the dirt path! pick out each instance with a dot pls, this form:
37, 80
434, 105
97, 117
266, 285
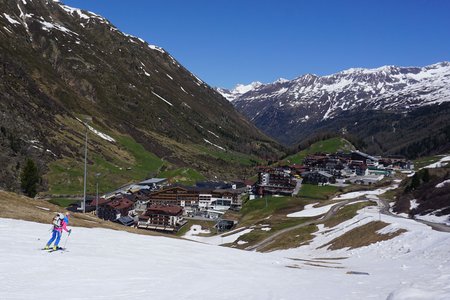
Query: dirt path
333, 210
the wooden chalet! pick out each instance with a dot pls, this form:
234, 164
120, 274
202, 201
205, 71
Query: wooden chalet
162, 217
175, 196
115, 208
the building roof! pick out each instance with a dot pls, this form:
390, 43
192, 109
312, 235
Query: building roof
326, 174
100, 201
212, 185
126, 220
172, 210
120, 203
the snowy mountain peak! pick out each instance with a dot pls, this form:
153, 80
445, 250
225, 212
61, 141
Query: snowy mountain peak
281, 80
238, 90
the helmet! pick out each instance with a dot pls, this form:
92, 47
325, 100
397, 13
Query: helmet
61, 216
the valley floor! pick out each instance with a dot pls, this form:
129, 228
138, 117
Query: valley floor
108, 264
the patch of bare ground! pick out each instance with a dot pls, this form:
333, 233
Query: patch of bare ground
294, 266
362, 236
13, 206
324, 266
315, 261
330, 258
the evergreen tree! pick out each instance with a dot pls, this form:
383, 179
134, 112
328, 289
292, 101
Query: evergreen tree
29, 178
425, 175
415, 182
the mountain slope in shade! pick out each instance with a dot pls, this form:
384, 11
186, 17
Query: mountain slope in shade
59, 64
286, 109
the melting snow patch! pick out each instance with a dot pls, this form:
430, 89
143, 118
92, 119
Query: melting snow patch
153, 47
100, 134
6, 28
445, 219
440, 185
213, 134
77, 11
184, 90
192, 234
221, 148
47, 26
162, 98
311, 211
413, 204
441, 163
10, 19
43, 208
352, 195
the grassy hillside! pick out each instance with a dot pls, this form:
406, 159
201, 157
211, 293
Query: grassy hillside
127, 160
14, 206
122, 162
328, 146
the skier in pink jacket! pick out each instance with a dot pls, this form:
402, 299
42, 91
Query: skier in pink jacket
59, 224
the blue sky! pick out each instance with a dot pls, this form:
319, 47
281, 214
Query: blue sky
225, 42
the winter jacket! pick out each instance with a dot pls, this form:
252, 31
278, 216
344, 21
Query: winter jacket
63, 226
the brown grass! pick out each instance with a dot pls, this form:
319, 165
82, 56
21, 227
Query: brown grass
14, 206
316, 261
362, 236
292, 239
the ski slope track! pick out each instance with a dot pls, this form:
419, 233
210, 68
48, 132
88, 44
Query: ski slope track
107, 264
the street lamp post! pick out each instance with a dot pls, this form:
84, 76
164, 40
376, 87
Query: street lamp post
96, 179
85, 170
87, 119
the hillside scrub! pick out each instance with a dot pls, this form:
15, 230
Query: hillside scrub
422, 188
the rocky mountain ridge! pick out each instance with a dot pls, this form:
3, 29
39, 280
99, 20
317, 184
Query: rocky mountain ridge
283, 108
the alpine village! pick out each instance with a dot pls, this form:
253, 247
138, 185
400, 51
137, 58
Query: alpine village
343, 178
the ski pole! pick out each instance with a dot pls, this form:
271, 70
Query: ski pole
65, 242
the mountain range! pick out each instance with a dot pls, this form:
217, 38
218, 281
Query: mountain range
292, 110
61, 66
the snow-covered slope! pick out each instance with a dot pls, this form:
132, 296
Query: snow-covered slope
311, 99
380, 88
107, 264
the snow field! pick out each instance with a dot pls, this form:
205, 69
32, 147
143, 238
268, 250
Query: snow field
108, 264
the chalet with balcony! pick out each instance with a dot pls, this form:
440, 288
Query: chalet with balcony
275, 182
178, 196
114, 208
162, 217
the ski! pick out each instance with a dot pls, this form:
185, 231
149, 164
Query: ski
57, 249
53, 250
